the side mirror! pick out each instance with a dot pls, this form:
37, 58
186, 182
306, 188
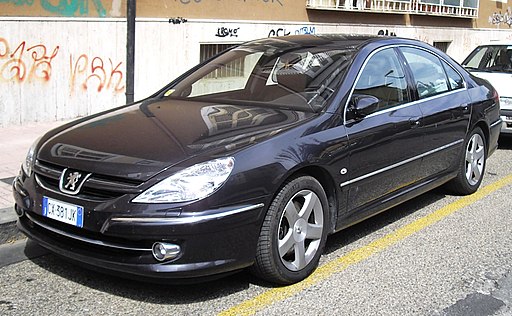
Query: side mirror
362, 105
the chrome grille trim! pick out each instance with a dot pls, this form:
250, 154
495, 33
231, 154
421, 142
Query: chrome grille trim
95, 188
44, 186
55, 172
84, 239
186, 220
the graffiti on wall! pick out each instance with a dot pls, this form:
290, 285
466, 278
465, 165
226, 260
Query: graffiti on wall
94, 72
386, 33
499, 18
24, 63
278, 2
423, 38
64, 7
305, 30
284, 32
278, 32
177, 20
227, 32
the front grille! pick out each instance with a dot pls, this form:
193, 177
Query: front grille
507, 113
95, 188
77, 233
94, 245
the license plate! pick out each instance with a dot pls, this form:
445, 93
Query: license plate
63, 212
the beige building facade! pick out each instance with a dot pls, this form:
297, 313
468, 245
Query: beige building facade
62, 59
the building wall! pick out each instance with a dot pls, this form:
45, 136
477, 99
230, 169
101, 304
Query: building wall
286, 10
495, 15
62, 59
268, 10
63, 8
172, 49
48, 74
492, 13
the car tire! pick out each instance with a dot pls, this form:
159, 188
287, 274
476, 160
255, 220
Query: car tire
471, 165
293, 234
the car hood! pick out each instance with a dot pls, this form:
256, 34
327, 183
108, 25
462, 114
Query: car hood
499, 80
144, 139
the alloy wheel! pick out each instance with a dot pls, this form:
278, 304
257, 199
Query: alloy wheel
300, 230
475, 159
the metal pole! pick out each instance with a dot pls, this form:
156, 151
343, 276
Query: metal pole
130, 49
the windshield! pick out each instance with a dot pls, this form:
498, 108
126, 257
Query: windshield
493, 58
274, 73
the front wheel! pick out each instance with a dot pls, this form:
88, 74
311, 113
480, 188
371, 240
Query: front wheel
472, 164
293, 233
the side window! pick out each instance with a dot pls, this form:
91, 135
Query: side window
429, 75
490, 58
383, 78
478, 58
454, 78
225, 78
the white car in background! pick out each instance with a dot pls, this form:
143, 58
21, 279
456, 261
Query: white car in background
493, 62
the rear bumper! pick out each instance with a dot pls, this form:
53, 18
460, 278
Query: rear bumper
494, 135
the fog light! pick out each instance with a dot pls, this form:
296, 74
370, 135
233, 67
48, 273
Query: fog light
164, 251
19, 211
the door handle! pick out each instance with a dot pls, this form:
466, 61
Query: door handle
415, 122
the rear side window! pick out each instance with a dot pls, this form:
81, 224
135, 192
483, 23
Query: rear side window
429, 74
454, 78
383, 77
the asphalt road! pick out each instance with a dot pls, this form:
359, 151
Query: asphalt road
435, 255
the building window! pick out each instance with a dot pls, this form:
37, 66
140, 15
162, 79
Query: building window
458, 8
234, 69
442, 46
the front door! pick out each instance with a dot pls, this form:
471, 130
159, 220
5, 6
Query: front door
386, 145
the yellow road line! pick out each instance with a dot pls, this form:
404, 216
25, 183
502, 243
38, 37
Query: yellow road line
325, 271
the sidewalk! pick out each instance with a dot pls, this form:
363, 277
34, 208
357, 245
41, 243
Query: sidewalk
14, 144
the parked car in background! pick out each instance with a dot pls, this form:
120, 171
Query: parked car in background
493, 62
252, 158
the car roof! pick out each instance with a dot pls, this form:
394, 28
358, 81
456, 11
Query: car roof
497, 43
336, 39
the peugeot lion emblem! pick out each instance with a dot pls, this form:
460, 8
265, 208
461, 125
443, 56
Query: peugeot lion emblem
71, 181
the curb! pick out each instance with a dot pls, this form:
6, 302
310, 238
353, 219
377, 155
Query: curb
7, 215
10, 233
8, 230
19, 251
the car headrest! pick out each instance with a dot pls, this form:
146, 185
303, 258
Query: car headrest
292, 74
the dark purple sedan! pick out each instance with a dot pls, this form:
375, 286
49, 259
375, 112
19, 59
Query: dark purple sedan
254, 157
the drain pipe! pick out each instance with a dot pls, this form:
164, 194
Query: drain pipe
130, 49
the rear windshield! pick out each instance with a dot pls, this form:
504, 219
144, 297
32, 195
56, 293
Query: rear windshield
493, 58
277, 74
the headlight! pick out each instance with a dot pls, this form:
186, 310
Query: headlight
190, 184
29, 160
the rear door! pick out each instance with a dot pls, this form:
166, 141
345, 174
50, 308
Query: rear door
445, 104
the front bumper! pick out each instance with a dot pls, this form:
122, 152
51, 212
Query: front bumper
212, 242
506, 117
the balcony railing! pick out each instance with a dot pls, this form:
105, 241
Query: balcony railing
449, 8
